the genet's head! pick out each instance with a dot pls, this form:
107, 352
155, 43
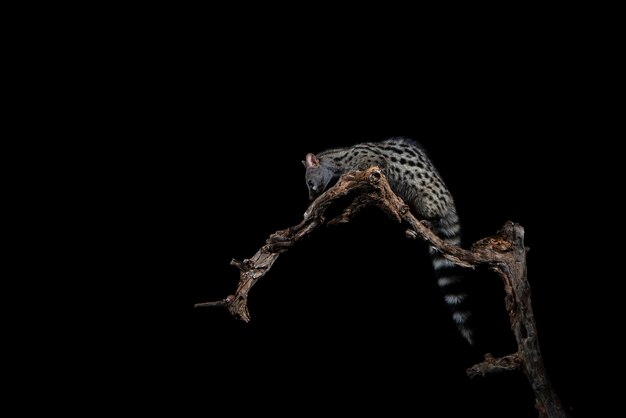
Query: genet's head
317, 176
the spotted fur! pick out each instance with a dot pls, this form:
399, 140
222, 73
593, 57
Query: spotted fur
413, 177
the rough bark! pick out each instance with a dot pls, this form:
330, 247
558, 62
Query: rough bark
503, 253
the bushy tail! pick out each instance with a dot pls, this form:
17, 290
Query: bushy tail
450, 277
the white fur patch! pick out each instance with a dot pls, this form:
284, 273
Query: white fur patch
442, 262
460, 317
454, 299
447, 281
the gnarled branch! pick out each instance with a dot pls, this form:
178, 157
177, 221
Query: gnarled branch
504, 253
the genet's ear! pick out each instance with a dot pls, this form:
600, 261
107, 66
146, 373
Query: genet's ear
311, 161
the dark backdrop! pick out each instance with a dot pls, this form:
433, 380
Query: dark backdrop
351, 318
196, 128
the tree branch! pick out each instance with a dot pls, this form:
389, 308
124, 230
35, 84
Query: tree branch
503, 253
495, 365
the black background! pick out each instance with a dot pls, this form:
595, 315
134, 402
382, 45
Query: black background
350, 319
172, 143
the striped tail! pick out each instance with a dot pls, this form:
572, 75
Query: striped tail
450, 276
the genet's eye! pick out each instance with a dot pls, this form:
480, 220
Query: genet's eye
310, 184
